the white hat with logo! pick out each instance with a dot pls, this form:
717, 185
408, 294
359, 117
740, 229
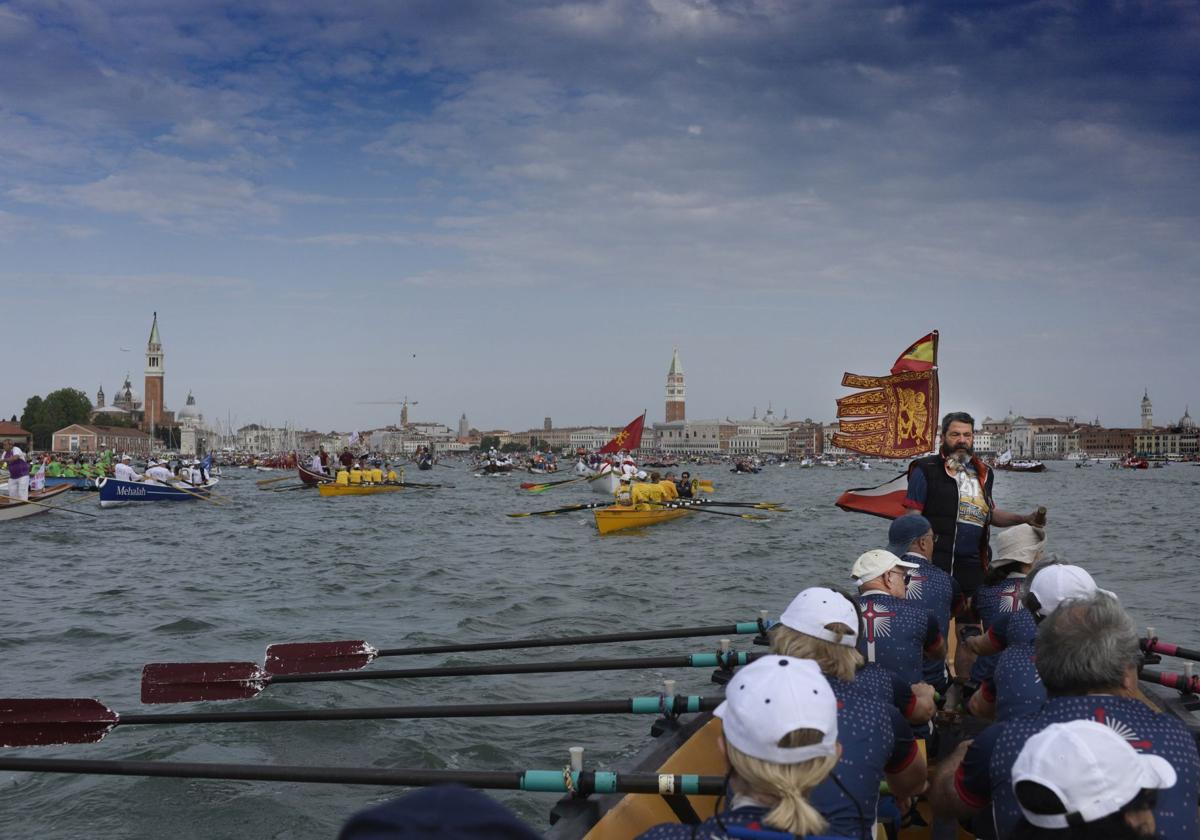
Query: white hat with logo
772, 697
876, 562
815, 608
1054, 584
1092, 770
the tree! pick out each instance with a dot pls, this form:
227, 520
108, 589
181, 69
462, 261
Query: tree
489, 442
513, 446
61, 408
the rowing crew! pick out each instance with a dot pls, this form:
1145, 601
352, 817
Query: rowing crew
159, 474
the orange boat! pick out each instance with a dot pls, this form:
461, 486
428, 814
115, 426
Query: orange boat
621, 517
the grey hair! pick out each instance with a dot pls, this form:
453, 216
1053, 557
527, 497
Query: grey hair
1086, 645
957, 417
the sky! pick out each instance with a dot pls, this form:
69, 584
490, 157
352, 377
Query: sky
517, 209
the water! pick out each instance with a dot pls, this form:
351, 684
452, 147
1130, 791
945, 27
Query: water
88, 602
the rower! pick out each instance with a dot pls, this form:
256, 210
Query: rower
124, 472
684, 485
17, 464
780, 739
157, 473
670, 489
877, 743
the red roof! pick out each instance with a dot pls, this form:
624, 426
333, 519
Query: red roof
12, 429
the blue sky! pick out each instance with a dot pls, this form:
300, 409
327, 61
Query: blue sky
516, 209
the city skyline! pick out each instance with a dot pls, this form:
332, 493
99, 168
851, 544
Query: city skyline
517, 209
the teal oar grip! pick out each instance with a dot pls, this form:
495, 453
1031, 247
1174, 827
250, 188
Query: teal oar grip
690, 784
546, 781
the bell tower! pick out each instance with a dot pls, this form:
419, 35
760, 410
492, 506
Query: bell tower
152, 401
675, 390
1147, 411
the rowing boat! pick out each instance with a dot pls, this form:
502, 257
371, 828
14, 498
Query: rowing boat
328, 489
620, 518
605, 483
114, 492
75, 482
311, 477
19, 510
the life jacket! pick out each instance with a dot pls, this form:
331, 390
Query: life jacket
941, 506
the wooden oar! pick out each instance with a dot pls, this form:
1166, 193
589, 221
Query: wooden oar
184, 682
544, 781
538, 487
429, 486
353, 655
753, 517
43, 722
775, 506
568, 509
262, 482
44, 505
194, 494
290, 489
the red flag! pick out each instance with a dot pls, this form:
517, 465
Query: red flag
629, 438
921, 355
886, 500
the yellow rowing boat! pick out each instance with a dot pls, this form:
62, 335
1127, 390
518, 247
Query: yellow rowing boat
329, 489
620, 517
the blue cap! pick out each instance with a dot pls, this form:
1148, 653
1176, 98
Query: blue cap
445, 812
905, 529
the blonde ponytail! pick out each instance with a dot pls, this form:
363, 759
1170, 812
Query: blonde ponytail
836, 660
788, 784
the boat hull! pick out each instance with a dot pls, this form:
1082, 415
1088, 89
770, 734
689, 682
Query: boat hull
328, 489
74, 482
16, 510
115, 493
311, 478
617, 518
605, 484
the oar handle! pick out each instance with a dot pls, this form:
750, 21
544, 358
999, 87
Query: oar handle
739, 629
531, 780
676, 705
1171, 679
696, 660
1153, 645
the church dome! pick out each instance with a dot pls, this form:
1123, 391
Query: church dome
189, 411
1186, 421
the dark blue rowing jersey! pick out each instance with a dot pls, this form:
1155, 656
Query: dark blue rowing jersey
994, 600
933, 589
985, 772
896, 634
740, 822
875, 739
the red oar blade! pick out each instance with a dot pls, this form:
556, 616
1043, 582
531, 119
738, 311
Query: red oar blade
182, 682
319, 657
36, 723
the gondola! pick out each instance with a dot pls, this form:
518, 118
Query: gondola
311, 477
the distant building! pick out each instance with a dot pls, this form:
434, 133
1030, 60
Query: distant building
91, 440
1178, 442
14, 432
676, 407
464, 428
1147, 410
1024, 441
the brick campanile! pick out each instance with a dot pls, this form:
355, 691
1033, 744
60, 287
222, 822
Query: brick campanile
675, 390
152, 405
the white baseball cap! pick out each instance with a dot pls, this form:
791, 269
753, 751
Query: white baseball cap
1092, 770
875, 563
772, 697
1054, 584
1018, 544
816, 607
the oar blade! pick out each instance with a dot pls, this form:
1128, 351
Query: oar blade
319, 657
184, 682
43, 722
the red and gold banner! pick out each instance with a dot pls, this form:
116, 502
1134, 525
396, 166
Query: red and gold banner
921, 354
629, 438
895, 416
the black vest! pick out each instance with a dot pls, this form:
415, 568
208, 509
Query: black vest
941, 507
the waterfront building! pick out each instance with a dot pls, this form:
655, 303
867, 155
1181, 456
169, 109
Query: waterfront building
1094, 441
194, 437
1179, 442
676, 408
14, 432
464, 428
985, 443
758, 435
1023, 443
108, 415
827, 432
81, 439
806, 438
693, 437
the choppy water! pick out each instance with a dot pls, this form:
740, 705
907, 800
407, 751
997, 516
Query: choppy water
87, 602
